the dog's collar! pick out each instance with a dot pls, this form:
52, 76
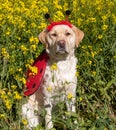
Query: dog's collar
33, 82
49, 27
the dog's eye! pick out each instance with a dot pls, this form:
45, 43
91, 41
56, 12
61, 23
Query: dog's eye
67, 34
54, 34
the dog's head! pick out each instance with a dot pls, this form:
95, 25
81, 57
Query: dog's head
61, 40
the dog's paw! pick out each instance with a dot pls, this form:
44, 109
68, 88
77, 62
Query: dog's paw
49, 126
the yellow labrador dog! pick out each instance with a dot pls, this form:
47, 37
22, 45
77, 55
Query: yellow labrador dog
59, 82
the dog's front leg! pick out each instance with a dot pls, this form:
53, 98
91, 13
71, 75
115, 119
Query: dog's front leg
48, 117
30, 111
71, 105
71, 97
72, 108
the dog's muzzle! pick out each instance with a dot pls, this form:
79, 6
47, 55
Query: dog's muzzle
61, 47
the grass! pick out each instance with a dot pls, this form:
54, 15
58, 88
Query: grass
20, 23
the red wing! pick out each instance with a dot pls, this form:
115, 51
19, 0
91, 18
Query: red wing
33, 82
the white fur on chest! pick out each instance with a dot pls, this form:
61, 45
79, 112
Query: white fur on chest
65, 72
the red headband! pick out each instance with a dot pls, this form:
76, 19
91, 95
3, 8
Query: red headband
49, 27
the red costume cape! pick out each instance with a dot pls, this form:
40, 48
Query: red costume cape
33, 82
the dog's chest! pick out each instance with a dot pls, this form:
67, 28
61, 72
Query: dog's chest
64, 73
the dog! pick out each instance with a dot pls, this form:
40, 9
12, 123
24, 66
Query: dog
59, 80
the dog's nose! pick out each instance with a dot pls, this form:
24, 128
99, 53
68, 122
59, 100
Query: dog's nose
61, 43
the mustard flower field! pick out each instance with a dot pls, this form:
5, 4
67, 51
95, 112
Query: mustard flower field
20, 23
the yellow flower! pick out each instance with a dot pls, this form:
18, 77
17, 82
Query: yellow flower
89, 62
24, 121
33, 25
36, 40
70, 96
9, 93
80, 99
77, 73
104, 18
19, 70
100, 49
58, 15
33, 39
33, 69
13, 87
92, 20
31, 61
33, 47
90, 47
114, 18
93, 54
114, 56
17, 77
8, 32
13, 46
4, 53
23, 48
2, 115
17, 96
49, 88
94, 73
42, 25
84, 47
77, 66
105, 27
54, 67
19, 38
23, 80
79, 21
100, 36
3, 94
8, 104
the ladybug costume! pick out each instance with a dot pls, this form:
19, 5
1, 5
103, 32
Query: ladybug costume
33, 82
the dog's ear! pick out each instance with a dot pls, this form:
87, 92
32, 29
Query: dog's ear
79, 35
42, 37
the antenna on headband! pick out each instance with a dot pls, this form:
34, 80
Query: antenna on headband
68, 12
47, 16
